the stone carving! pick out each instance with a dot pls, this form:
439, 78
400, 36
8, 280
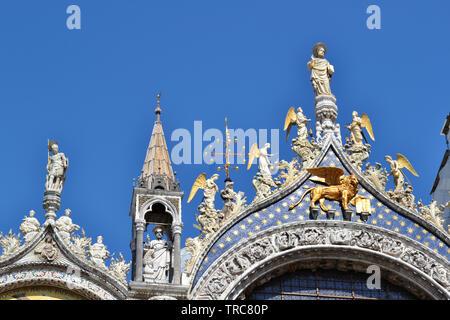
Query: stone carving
30, 227
358, 151
433, 212
98, 253
396, 171
233, 266
65, 226
119, 269
404, 197
233, 202
10, 244
80, 245
56, 168
263, 185
47, 249
306, 150
209, 221
321, 70
193, 246
377, 175
289, 172
156, 258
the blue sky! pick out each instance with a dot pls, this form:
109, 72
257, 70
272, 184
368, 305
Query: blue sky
94, 89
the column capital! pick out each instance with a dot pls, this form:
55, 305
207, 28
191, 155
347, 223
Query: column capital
139, 224
177, 228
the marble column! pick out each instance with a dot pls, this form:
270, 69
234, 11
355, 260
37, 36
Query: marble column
176, 231
140, 227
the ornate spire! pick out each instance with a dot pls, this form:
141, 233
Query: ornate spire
157, 171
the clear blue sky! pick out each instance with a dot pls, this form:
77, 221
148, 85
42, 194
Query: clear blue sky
93, 90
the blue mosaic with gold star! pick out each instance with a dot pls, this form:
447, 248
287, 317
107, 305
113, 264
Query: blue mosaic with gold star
279, 214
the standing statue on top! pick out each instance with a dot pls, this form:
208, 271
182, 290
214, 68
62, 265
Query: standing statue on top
321, 70
156, 257
56, 168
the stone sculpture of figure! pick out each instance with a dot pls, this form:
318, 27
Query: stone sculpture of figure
321, 71
396, 172
156, 258
30, 227
65, 225
356, 134
264, 162
56, 168
209, 192
98, 253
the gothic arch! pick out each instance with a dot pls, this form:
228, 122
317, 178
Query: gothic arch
168, 206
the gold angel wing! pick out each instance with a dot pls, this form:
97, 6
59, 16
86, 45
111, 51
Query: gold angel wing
254, 153
291, 118
330, 175
199, 183
365, 123
404, 163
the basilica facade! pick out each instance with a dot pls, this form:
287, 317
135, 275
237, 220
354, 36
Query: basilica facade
324, 227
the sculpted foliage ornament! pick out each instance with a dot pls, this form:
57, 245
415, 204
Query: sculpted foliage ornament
377, 175
119, 268
10, 244
289, 172
80, 244
433, 212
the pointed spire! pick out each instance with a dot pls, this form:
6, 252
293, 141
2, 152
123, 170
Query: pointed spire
157, 172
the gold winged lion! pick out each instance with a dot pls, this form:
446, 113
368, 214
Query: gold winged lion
340, 187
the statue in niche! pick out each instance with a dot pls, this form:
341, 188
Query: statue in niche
56, 168
156, 257
321, 70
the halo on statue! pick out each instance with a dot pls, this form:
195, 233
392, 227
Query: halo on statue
317, 46
158, 227
50, 144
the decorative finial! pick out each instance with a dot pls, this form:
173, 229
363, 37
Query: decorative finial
158, 109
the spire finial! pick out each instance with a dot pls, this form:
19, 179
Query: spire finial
158, 109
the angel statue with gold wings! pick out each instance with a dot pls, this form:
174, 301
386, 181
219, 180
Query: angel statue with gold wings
356, 133
297, 119
396, 170
264, 166
209, 190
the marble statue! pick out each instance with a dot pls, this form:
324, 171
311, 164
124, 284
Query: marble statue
65, 225
98, 253
56, 168
156, 258
321, 71
30, 227
47, 249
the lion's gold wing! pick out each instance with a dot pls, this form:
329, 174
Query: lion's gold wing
330, 175
291, 118
254, 153
365, 123
199, 183
404, 163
